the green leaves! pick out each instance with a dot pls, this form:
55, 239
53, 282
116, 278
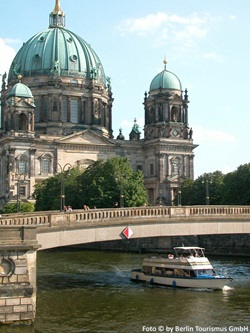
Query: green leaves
102, 184
230, 189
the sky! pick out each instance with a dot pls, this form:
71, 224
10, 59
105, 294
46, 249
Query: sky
205, 42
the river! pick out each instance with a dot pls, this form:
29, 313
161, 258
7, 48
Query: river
87, 291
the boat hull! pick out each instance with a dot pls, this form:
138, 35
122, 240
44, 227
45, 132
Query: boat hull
217, 282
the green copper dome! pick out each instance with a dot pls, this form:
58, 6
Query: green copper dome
165, 80
57, 51
20, 90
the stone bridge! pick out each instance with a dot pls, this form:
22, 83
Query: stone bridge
21, 235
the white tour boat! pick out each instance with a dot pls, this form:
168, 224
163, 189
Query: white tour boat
187, 267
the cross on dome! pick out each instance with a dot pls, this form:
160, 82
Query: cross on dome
165, 63
57, 8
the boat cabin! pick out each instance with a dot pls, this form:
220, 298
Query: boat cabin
189, 262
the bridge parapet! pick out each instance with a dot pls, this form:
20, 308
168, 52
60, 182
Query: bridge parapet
55, 218
219, 210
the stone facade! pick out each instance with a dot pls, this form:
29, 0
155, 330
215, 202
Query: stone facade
17, 285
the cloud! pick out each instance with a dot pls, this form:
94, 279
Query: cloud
206, 135
213, 56
143, 25
182, 32
7, 55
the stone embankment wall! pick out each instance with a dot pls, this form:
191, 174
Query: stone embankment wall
214, 244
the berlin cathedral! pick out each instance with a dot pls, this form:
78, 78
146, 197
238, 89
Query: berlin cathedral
56, 111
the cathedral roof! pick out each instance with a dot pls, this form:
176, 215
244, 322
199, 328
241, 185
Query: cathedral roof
57, 51
165, 80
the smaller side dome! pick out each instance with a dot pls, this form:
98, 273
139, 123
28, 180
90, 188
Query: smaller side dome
20, 90
165, 80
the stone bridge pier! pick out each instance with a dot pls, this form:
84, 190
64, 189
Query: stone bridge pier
18, 274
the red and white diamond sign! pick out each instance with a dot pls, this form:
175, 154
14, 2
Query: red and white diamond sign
127, 232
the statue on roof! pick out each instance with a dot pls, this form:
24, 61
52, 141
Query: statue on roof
135, 133
3, 81
120, 136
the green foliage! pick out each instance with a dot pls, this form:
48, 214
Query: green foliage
208, 186
11, 208
104, 181
237, 186
47, 194
230, 189
100, 185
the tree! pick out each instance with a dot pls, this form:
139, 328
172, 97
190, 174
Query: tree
207, 187
237, 186
100, 185
11, 208
48, 192
106, 182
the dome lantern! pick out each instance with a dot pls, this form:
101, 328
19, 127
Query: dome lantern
57, 17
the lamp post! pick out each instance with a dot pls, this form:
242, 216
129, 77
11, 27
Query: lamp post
63, 169
179, 166
207, 181
179, 188
20, 179
120, 179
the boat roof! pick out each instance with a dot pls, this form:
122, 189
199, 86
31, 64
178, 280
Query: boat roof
188, 248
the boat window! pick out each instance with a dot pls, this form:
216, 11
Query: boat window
169, 271
147, 269
189, 252
192, 274
205, 272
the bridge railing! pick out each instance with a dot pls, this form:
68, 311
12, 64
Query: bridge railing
219, 210
54, 218
121, 213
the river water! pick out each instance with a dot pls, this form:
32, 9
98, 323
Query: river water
85, 291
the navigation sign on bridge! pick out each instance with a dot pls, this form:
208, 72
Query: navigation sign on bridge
127, 232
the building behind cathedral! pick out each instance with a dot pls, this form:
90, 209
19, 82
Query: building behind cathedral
57, 112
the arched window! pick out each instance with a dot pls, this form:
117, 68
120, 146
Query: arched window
46, 164
175, 166
23, 122
174, 114
22, 165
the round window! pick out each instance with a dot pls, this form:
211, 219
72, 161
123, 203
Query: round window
6, 267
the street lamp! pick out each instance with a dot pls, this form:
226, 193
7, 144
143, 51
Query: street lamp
120, 179
63, 169
179, 166
207, 189
20, 179
179, 188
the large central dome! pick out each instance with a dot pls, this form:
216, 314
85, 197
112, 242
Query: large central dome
57, 51
67, 80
